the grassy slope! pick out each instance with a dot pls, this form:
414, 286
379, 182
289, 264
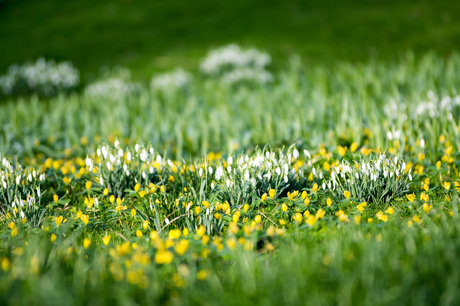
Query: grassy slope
151, 35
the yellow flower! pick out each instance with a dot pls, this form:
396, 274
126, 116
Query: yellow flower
139, 233
293, 194
106, 240
447, 185
164, 257
311, 220
353, 147
357, 219
105, 192
181, 247
315, 188
343, 217
53, 238
142, 193
84, 218
174, 234
361, 206
421, 156
306, 201
86, 243
342, 150
205, 204
381, 216
233, 228
124, 249
217, 216
457, 186
137, 187
84, 140
269, 247
427, 207
58, 220
297, 217
284, 207
197, 210
416, 218
55, 198
153, 235
390, 210
88, 185
272, 193
6, 264
145, 224
205, 239
438, 164
264, 196
246, 207
347, 194
258, 219
271, 230
304, 195
425, 197
320, 214
202, 275
236, 216
201, 230
411, 197
328, 202
112, 199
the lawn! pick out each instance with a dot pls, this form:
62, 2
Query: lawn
245, 176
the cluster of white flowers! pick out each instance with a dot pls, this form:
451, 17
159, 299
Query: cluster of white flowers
15, 176
233, 65
43, 77
113, 88
143, 161
111, 157
378, 174
19, 187
252, 169
434, 106
173, 80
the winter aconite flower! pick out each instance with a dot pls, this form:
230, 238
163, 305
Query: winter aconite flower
411, 197
106, 239
164, 257
86, 243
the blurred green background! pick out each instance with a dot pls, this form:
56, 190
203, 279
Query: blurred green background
148, 36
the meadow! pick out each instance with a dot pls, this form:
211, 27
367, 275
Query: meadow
243, 182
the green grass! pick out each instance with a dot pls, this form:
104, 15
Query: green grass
149, 36
182, 236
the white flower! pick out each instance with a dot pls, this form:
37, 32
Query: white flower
246, 175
